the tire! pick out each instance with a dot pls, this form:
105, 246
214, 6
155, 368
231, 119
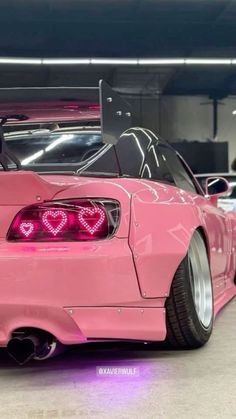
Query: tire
189, 307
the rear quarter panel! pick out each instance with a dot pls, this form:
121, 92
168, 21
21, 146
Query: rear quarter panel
163, 219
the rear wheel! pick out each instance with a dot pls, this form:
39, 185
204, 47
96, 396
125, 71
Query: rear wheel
189, 308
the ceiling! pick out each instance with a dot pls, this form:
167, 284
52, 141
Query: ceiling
121, 28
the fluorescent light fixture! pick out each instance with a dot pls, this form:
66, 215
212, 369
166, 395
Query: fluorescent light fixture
118, 61
208, 61
114, 61
160, 61
65, 61
234, 112
12, 60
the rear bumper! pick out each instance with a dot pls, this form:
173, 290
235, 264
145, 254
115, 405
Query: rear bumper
99, 273
76, 292
79, 324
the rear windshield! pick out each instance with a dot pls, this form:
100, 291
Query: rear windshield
54, 147
64, 152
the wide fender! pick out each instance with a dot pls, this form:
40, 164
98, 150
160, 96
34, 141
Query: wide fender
162, 223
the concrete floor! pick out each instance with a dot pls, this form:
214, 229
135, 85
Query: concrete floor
167, 384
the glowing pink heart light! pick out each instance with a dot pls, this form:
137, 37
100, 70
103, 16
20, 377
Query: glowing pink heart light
54, 221
26, 228
91, 219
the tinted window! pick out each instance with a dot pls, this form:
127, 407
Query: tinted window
55, 147
63, 151
202, 182
155, 167
179, 173
104, 162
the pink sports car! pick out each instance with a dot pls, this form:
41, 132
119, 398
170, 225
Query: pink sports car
105, 232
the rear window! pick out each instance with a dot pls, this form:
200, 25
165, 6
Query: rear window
54, 147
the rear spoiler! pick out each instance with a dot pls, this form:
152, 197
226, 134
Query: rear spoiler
115, 112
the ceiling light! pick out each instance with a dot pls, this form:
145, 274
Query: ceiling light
118, 61
65, 61
114, 61
12, 60
206, 61
161, 61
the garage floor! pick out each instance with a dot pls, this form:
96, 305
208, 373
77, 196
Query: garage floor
165, 384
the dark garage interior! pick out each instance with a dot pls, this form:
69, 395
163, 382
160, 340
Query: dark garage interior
188, 95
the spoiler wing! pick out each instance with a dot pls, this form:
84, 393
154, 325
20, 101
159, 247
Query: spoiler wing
57, 104
23, 106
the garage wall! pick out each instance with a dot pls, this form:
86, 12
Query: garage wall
227, 125
147, 111
184, 117
189, 117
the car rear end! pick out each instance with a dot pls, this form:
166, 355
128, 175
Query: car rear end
67, 270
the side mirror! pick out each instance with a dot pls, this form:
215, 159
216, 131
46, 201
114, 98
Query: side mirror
216, 187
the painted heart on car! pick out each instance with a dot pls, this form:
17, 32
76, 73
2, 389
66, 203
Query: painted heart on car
91, 219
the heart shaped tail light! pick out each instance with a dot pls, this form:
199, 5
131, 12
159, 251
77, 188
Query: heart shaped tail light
74, 220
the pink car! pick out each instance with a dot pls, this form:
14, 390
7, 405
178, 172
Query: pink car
105, 238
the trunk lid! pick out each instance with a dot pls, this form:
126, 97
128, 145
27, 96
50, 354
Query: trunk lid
19, 189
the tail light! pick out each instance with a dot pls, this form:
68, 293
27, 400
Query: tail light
73, 220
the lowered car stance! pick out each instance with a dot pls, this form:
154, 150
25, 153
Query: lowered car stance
104, 240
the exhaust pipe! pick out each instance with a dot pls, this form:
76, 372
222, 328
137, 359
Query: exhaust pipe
23, 348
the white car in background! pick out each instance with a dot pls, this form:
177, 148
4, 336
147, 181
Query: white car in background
227, 202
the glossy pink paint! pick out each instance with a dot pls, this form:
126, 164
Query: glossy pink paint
114, 288
53, 111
